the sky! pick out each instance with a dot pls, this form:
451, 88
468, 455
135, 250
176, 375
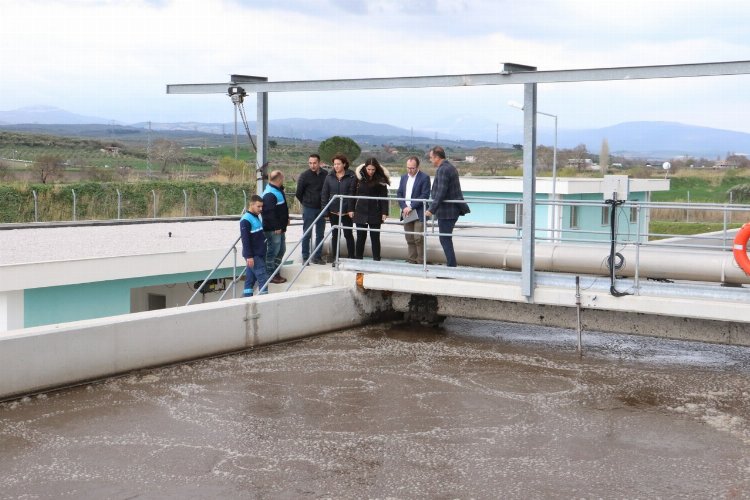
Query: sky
113, 59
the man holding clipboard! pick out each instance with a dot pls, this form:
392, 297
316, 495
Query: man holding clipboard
414, 185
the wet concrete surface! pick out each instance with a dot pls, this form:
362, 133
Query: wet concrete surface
473, 410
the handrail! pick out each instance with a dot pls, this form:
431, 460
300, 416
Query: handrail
581, 234
287, 254
213, 271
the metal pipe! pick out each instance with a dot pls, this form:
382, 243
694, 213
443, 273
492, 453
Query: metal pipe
216, 203
36, 206
74, 203
119, 203
654, 262
184, 196
637, 247
234, 273
578, 314
153, 194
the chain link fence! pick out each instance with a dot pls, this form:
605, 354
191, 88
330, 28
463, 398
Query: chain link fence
108, 201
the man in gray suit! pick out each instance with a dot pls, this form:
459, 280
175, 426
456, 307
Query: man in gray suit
446, 187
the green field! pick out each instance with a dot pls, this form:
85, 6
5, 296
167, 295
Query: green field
129, 156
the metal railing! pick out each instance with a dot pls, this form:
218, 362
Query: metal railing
633, 212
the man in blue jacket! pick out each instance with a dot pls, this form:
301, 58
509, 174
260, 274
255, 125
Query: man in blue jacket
414, 185
447, 187
275, 222
254, 247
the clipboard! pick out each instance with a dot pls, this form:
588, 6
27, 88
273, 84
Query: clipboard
412, 217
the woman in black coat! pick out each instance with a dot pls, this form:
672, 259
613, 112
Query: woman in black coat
373, 181
340, 181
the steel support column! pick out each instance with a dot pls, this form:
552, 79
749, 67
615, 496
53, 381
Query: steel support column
262, 138
528, 225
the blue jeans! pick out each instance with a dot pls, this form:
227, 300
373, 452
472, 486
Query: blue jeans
275, 249
256, 274
308, 216
446, 226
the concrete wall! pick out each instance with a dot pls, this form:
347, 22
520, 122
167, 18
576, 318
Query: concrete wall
40, 358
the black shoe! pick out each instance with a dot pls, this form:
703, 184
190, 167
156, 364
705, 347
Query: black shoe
317, 261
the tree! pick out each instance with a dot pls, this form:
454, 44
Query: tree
580, 153
544, 157
604, 156
165, 151
493, 160
337, 144
739, 161
47, 167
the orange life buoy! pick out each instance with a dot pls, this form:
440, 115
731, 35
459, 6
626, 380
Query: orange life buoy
740, 248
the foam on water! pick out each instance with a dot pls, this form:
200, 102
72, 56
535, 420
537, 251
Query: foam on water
465, 411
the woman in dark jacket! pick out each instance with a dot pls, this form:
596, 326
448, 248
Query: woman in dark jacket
373, 181
341, 180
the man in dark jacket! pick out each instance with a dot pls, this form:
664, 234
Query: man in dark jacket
447, 186
414, 185
275, 222
309, 189
254, 247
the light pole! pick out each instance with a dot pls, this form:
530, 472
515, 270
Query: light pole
514, 104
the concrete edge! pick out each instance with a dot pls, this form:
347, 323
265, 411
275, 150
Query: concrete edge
47, 357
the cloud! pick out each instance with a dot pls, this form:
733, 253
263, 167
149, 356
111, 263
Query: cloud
114, 59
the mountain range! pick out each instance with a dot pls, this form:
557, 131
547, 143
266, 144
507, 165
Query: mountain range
651, 139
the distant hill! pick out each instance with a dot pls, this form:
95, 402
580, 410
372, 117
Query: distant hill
301, 128
654, 140
658, 140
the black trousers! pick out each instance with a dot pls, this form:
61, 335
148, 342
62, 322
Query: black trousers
362, 239
345, 221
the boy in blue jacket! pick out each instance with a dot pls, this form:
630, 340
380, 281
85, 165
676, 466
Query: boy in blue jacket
254, 247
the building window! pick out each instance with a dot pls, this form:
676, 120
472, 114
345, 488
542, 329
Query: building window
605, 215
156, 301
513, 214
574, 217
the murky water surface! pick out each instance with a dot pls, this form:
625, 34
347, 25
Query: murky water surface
475, 410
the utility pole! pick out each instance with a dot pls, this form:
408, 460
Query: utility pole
148, 150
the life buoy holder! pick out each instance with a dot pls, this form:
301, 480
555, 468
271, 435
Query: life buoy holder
740, 248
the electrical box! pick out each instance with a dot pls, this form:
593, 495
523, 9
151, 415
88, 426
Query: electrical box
619, 184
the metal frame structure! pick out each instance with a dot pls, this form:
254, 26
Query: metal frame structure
510, 74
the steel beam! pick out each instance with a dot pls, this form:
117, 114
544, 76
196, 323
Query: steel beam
470, 80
